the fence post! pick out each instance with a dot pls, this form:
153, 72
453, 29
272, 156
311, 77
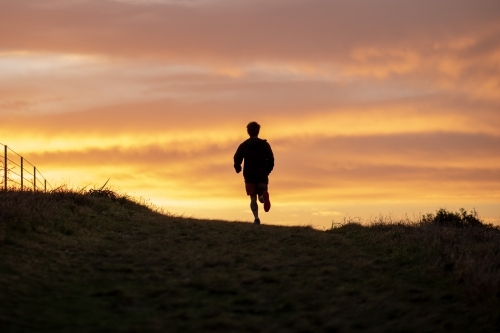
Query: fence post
45, 185
5, 168
22, 177
34, 179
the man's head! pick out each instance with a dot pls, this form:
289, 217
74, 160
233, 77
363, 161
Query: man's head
253, 129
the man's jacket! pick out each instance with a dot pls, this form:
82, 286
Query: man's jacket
259, 160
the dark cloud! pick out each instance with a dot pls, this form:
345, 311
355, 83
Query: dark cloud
315, 30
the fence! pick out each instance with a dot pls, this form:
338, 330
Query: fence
17, 176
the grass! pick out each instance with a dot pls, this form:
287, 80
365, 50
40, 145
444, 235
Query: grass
97, 261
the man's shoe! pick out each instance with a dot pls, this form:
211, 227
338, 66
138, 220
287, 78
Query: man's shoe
261, 198
257, 221
267, 203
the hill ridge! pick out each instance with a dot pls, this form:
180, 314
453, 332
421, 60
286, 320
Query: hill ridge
97, 260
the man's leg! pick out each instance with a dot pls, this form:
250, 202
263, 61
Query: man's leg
254, 207
267, 202
264, 196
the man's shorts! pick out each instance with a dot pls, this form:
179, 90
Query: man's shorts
255, 188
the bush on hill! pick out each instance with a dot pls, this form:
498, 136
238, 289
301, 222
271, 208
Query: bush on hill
460, 219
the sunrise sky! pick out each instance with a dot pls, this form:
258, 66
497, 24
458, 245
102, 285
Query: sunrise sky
385, 107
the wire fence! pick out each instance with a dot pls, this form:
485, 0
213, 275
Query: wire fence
19, 173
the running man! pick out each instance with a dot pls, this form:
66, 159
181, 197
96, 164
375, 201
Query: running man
259, 162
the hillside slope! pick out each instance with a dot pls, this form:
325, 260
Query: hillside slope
103, 263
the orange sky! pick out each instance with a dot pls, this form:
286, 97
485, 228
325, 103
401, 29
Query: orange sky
372, 107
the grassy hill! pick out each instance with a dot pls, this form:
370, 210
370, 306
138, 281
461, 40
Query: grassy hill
100, 262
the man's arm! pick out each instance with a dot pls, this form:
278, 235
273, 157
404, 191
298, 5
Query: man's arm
238, 159
270, 159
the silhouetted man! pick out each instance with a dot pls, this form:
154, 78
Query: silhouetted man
259, 162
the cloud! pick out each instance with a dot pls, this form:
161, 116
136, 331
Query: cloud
411, 166
327, 213
236, 30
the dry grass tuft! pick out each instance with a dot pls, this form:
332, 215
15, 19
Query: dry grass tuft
64, 210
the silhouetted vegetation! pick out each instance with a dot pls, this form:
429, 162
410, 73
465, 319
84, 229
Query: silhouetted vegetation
460, 219
99, 261
457, 246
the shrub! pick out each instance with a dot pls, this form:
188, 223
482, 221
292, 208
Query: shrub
460, 219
